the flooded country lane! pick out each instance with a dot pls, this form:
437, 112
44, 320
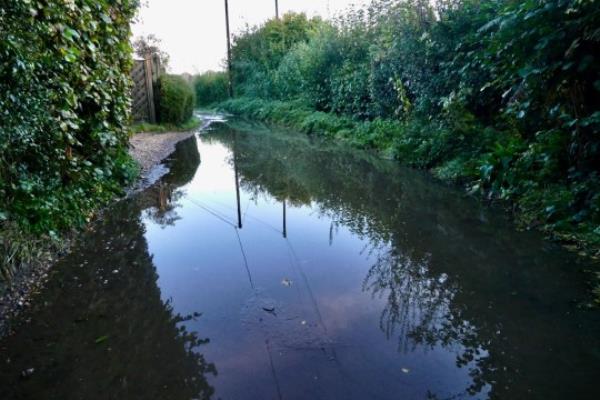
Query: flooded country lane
272, 265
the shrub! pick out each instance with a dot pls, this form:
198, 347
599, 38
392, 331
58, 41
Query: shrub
64, 101
176, 100
211, 87
258, 51
501, 95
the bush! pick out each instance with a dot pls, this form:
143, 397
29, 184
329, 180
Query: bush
257, 52
176, 100
64, 101
211, 87
500, 95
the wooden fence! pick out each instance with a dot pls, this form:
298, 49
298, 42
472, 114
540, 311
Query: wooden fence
144, 74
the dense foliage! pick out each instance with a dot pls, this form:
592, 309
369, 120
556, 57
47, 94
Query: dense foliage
499, 95
64, 111
211, 87
176, 100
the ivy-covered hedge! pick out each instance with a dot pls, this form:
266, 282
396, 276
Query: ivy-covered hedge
64, 109
176, 100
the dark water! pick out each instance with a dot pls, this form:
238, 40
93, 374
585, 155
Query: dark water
350, 278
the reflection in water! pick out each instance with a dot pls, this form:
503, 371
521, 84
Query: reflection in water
320, 272
102, 330
441, 265
415, 302
160, 201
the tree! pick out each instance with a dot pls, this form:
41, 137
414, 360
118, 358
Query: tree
150, 44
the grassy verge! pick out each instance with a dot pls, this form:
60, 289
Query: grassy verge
190, 125
457, 152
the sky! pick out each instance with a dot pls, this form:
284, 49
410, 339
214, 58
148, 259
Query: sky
193, 31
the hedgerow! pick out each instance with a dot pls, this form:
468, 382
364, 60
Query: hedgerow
176, 100
64, 110
211, 87
501, 96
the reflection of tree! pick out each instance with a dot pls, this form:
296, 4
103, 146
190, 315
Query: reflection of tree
440, 264
160, 201
112, 337
266, 171
416, 302
418, 310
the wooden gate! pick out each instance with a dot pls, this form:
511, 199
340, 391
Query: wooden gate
144, 74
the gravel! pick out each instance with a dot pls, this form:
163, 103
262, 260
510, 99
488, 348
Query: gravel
149, 149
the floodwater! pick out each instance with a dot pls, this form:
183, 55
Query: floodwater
270, 265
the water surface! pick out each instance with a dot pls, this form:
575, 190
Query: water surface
271, 265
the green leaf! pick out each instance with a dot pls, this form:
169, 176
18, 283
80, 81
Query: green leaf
70, 34
101, 339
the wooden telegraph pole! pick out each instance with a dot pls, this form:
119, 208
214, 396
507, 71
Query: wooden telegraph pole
276, 9
228, 48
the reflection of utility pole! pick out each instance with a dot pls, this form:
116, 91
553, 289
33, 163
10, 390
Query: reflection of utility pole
237, 182
284, 220
276, 9
228, 48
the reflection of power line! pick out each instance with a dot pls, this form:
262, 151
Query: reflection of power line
237, 232
268, 346
306, 284
222, 218
246, 211
333, 353
296, 266
211, 211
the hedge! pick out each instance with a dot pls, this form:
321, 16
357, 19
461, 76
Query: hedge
211, 87
176, 100
64, 109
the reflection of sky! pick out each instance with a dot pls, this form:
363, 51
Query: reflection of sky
325, 340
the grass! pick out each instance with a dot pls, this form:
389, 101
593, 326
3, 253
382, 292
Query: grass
192, 124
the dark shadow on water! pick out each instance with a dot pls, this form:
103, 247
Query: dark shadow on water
100, 329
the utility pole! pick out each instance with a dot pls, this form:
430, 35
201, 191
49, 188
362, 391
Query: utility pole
276, 9
228, 48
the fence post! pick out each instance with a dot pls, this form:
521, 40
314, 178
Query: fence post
149, 88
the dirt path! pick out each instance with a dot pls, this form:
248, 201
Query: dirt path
149, 149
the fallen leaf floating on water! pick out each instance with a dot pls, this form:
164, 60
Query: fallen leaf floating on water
405, 370
286, 282
269, 309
